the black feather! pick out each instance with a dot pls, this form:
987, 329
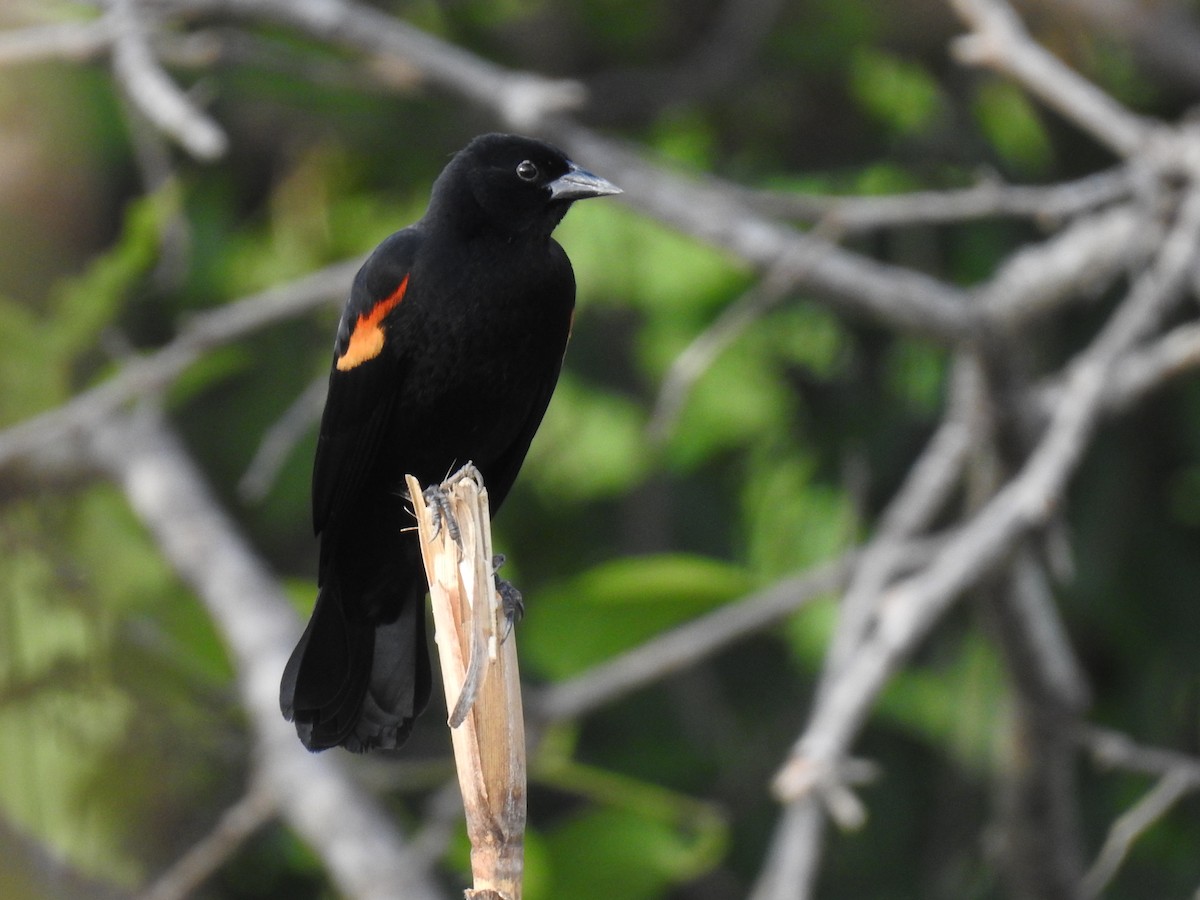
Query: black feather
447, 352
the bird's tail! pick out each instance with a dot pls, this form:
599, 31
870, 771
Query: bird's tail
353, 682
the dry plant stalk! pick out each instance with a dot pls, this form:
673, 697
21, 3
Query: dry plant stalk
481, 680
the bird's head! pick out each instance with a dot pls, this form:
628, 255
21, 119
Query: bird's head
518, 184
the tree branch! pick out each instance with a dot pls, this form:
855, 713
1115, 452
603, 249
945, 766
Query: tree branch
148, 375
356, 840
913, 606
70, 41
1135, 822
204, 858
999, 41
153, 92
837, 216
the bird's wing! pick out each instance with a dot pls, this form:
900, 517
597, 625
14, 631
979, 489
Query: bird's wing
364, 380
502, 472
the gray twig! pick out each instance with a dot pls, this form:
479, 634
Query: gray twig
152, 91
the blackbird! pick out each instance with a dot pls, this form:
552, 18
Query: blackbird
448, 350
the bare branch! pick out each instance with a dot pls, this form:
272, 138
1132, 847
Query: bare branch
989, 199
912, 607
148, 375
253, 810
356, 839
700, 638
1151, 367
709, 210
1114, 750
153, 92
70, 41
928, 484
697, 357
793, 860
714, 212
281, 439
1073, 265
685, 645
1134, 823
520, 99
999, 41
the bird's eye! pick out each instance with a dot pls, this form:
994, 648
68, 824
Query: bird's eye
527, 171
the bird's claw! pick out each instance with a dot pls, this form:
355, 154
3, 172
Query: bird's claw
440, 512
512, 604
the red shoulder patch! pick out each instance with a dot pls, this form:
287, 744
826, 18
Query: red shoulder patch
366, 340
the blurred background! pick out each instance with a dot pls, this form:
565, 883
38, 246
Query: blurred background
122, 735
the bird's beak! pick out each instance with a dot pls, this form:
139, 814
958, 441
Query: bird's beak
579, 184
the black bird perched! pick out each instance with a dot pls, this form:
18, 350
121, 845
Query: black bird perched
447, 352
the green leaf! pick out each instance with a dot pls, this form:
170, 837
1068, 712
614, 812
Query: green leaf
607, 853
33, 380
793, 519
86, 304
686, 137
738, 399
916, 373
37, 353
590, 444
809, 631
1013, 126
620, 604
60, 713
663, 274
955, 706
899, 93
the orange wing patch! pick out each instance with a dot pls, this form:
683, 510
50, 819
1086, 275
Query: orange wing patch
366, 340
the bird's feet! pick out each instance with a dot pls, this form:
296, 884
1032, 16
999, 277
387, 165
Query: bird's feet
512, 604
440, 512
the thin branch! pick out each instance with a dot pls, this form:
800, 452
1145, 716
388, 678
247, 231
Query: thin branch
1138, 373
1043, 662
988, 199
700, 638
281, 439
710, 210
70, 41
791, 867
356, 839
1115, 750
794, 858
912, 607
1151, 367
687, 644
1132, 824
999, 41
1073, 265
928, 484
153, 92
150, 374
698, 356
1038, 833
521, 99
204, 858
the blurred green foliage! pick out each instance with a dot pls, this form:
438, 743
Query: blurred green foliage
120, 741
